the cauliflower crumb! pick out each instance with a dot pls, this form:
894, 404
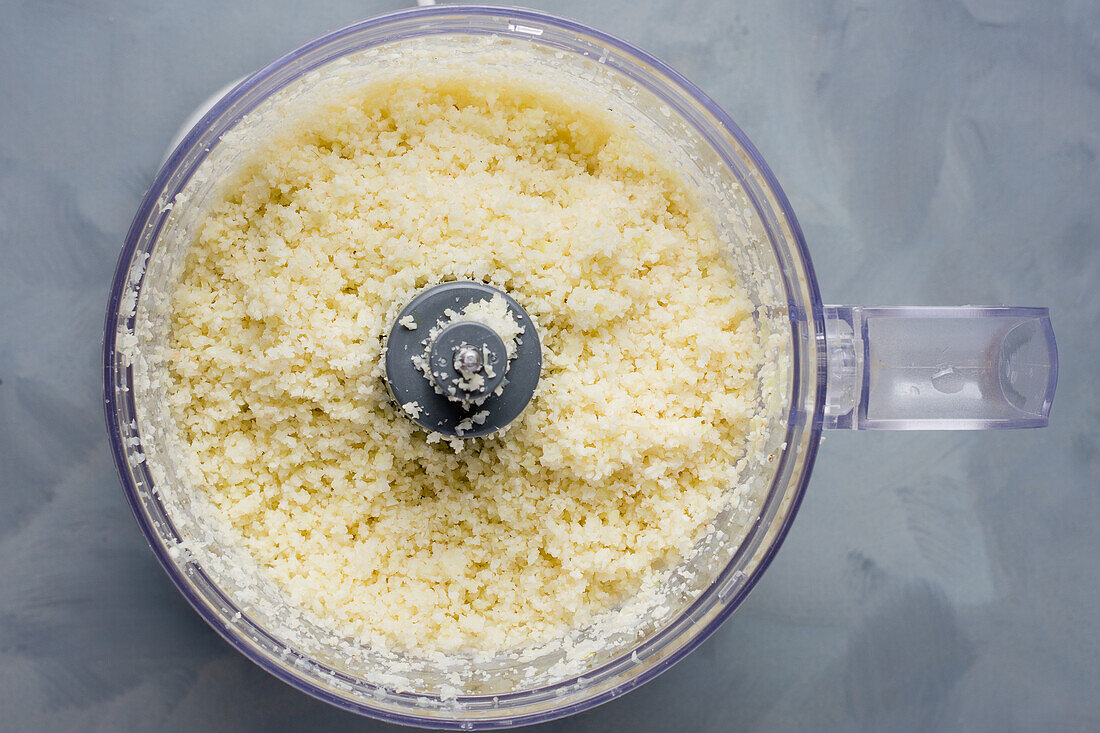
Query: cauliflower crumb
384, 532
493, 313
409, 323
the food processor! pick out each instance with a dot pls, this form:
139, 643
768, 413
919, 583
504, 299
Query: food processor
828, 367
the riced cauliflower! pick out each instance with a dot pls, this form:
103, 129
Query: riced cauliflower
628, 448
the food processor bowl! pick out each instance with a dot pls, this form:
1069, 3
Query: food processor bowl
837, 367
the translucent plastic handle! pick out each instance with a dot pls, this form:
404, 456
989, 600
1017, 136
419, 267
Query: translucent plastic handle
917, 368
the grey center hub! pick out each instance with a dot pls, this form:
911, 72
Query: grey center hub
468, 361
454, 376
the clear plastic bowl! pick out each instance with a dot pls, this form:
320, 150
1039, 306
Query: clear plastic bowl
813, 349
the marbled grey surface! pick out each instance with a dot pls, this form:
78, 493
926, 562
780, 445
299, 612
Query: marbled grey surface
936, 152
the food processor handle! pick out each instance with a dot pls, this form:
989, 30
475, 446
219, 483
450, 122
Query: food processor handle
928, 368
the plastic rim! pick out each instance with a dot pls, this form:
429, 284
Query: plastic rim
796, 410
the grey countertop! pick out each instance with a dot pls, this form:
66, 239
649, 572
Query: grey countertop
935, 153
